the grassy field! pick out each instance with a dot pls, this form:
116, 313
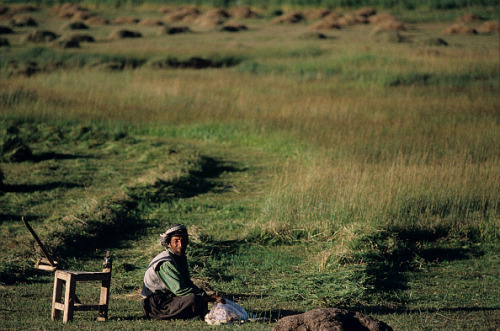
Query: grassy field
354, 167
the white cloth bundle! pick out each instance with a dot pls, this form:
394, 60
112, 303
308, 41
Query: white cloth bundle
226, 313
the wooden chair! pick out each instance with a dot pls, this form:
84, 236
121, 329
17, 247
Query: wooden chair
71, 302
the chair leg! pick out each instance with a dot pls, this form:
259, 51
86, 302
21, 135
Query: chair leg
56, 298
69, 299
104, 300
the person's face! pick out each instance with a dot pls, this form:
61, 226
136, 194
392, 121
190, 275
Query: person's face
178, 245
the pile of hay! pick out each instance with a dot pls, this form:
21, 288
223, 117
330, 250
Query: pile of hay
150, 22
290, 18
314, 14
126, 20
393, 25
122, 33
78, 38
468, 18
68, 10
76, 25
233, 27
460, 29
212, 18
489, 27
40, 36
23, 20
22, 8
96, 20
172, 30
242, 12
326, 24
183, 14
365, 12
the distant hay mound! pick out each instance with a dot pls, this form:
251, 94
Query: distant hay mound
333, 15
290, 18
315, 14
240, 12
460, 29
326, 24
365, 12
172, 30
68, 10
183, 14
96, 20
233, 27
5, 30
489, 27
468, 18
389, 25
379, 18
23, 20
3, 10
212, 18
150, 22
76, 25
40, 36
126, 20
22, 8
68, 44
82, 15
122, 34
79, 38
167, 9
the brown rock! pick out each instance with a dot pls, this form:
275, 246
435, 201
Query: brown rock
323, 319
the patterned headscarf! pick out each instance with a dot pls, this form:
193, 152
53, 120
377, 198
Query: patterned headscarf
174, 230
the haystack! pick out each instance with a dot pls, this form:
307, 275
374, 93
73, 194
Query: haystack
39, 36
468, 18
379, 18
489, 27
150, 22
122, 33
233, 27
96, 20
365, 12
315, 14
67, 10
167, 9
22, 8
172, 30
460, 29
326, 24
212, 18
289, 18
23, 20
185, 14
79, 38
394, 25
76, 25
242, 12
126, 20
82, 15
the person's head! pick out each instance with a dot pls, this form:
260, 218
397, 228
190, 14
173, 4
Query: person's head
176, 239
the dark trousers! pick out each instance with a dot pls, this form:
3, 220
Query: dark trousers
162, 306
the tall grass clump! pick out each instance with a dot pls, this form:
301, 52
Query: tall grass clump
451, 199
